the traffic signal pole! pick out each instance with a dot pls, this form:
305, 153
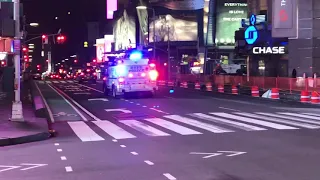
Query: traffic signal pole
17, 110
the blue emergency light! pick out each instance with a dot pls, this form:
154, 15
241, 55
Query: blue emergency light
136, 55
171, 91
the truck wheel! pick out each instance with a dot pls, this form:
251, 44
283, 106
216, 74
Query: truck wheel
114, 92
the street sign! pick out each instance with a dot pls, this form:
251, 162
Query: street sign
23, 166
218, 153
121, 110
16, 45
98, 99
251, 34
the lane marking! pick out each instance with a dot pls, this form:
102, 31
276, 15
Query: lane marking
68, 169
113, 130
48, 82
59, 150
55, 82
63, 82
149, 162
131, 102
91, 88
82, 108
229, 109
144, 106
72, 106
114, 140
84, 132
41, 82
253, 121
312, 114
239, 125
144, 128
138, 104
134, 153
70, 82
301, 116
289, 118
56, 144
126, 100
158, 110
46, 104
198, 124
123, 146
294, 123
172, 126
63, 158
169, 176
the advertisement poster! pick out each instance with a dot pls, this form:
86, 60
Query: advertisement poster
177, 28
143, 21
180, 4
124, 32
229, 16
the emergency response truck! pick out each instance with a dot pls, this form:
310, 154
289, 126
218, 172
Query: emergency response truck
131, 72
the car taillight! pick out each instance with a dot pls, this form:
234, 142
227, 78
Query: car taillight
121, 80
152, 65
130, 75
143, 74
94, 74
153, 74
82, 74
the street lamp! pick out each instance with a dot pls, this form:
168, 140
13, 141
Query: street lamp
34, 24
154, 28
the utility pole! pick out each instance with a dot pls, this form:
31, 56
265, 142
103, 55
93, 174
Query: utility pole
154, 33
17, 111
169, 63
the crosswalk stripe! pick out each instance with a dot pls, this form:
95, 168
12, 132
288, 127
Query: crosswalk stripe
198, 124
144, 128
300, 115
294, 123
41, 82
63, 82
49, 82
84, 132
55, 82
312, 114
239, 125
172, 126
113, 130
70, 81
290, 118
254, 121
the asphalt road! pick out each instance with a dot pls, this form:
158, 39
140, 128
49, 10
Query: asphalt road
185, 135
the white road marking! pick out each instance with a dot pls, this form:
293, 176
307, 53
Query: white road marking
144, 106
7, 168
121, 110
59, 150
312, 114
113, 130
301, 115
172, 126
239, 125
63, 158
138, 104
55, 82
254, 121
134, 153
149, 162
56, 144
144, 128
70, 81
289, 118
68, 169
84, 132
48, 82
229, 109
294, 123
63, 82
123, 146
126, 100
198, 124
131, 102
114, 140
82, 108
32, 166
74, 108
159, 110
169, 176
91, 88
41, 82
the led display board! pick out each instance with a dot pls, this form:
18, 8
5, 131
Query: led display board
124, 31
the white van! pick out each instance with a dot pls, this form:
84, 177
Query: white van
130, 73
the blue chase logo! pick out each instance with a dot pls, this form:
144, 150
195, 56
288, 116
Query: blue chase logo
251, 33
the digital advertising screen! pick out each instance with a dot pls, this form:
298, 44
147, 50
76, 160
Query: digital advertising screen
176, 27
124, 32
229, 16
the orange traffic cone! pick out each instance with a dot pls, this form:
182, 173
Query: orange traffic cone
221, 89
255, 91
234, 90
304, 98
315, 97
208, 86
197, 86
275, 93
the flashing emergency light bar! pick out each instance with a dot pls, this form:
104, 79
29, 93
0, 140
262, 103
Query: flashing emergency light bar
136, 55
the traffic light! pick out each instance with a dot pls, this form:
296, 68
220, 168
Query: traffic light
85, 44
61, 39
24, 49
44, 39
38, 66
94, 60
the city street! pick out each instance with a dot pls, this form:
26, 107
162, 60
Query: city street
185, 135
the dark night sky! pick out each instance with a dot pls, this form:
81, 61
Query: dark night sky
73, 26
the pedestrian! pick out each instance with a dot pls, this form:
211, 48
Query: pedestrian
294, 73
26, 85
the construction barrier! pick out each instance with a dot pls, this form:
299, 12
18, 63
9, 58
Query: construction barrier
220, 88
197, 86
255, 91
171, 83
275, 93
208, 86
315, 97
234, 90
161, 83
304, 98
185, 85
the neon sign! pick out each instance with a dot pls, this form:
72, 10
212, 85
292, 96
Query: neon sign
251, 34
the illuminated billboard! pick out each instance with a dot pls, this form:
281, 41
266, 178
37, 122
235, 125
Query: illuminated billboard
179, 5
112, 5
229, 16
178, 28
124, 32
100, 50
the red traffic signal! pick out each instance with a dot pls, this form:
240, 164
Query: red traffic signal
24, 49
61, 39
38, 66
94, 60
75, 61
44, 36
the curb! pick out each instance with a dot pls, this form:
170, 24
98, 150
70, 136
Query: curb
25, 139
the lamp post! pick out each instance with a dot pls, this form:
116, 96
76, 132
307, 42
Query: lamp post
154, 28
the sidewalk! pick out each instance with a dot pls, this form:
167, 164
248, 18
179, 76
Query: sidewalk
11, 133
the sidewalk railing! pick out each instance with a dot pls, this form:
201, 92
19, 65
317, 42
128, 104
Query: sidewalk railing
283, 83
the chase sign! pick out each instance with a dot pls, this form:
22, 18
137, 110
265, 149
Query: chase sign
251, 34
